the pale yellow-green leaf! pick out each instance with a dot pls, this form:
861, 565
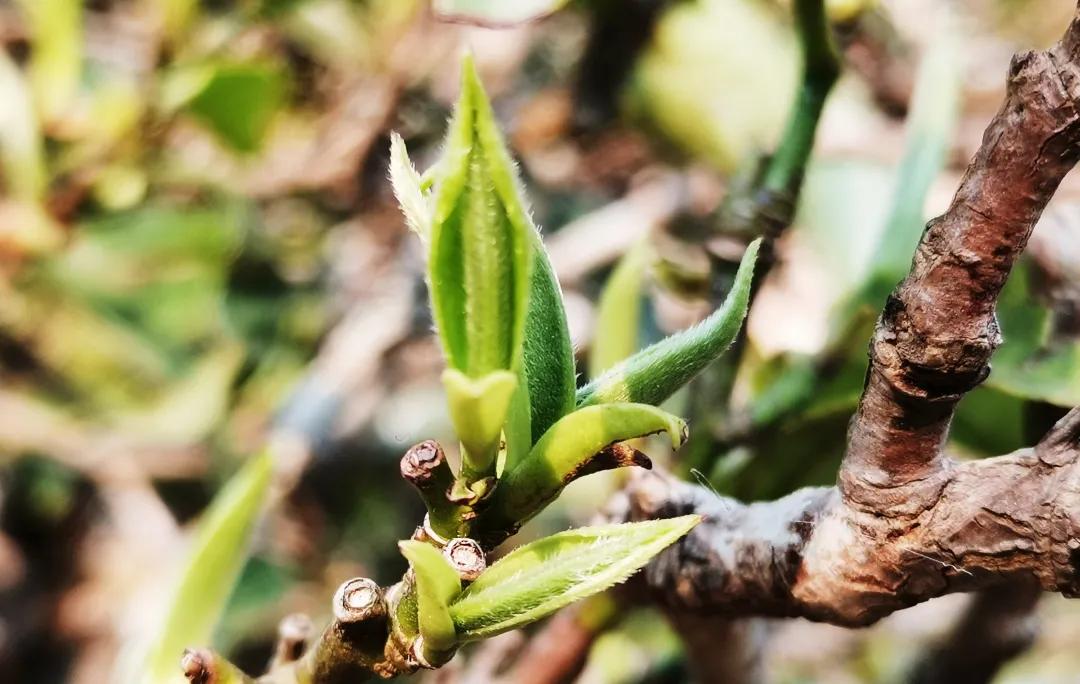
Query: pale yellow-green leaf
538, 579
478, 409
747, 56
437, 584
218, 553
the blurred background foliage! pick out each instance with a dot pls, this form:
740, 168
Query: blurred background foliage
200, 254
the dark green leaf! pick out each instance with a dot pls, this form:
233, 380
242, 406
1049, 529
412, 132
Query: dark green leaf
548, 352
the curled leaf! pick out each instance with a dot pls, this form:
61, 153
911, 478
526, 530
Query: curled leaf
437, 584
655, 373
568, 449
480, 242
537, 579
478, 409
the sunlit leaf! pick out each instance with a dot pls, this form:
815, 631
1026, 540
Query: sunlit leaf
618, 315
495, 12
566, 449
437, 584
218, 553
538, 579
480, 242
655, 373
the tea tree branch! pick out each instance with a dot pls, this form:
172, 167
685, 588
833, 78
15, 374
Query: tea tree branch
906, 523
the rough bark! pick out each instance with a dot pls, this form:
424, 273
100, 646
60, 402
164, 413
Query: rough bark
906, 523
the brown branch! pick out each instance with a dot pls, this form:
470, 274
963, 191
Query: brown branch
906, 523
1011, 518
934, 339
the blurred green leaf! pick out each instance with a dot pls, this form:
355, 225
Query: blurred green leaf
747, 57
1031, 362
535, 580
218, 553
618, 315
989, 421
655, 373
496, 12
188, 409
437, 584
480, 241
567, 448
236, 100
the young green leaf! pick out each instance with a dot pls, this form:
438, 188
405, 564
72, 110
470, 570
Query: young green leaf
655, 373
218, 554
618, 315
537, 579
548, 352
478, 409
480, 241
409, 189
567, 449
437, 584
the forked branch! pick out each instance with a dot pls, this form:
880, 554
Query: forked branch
906, 523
